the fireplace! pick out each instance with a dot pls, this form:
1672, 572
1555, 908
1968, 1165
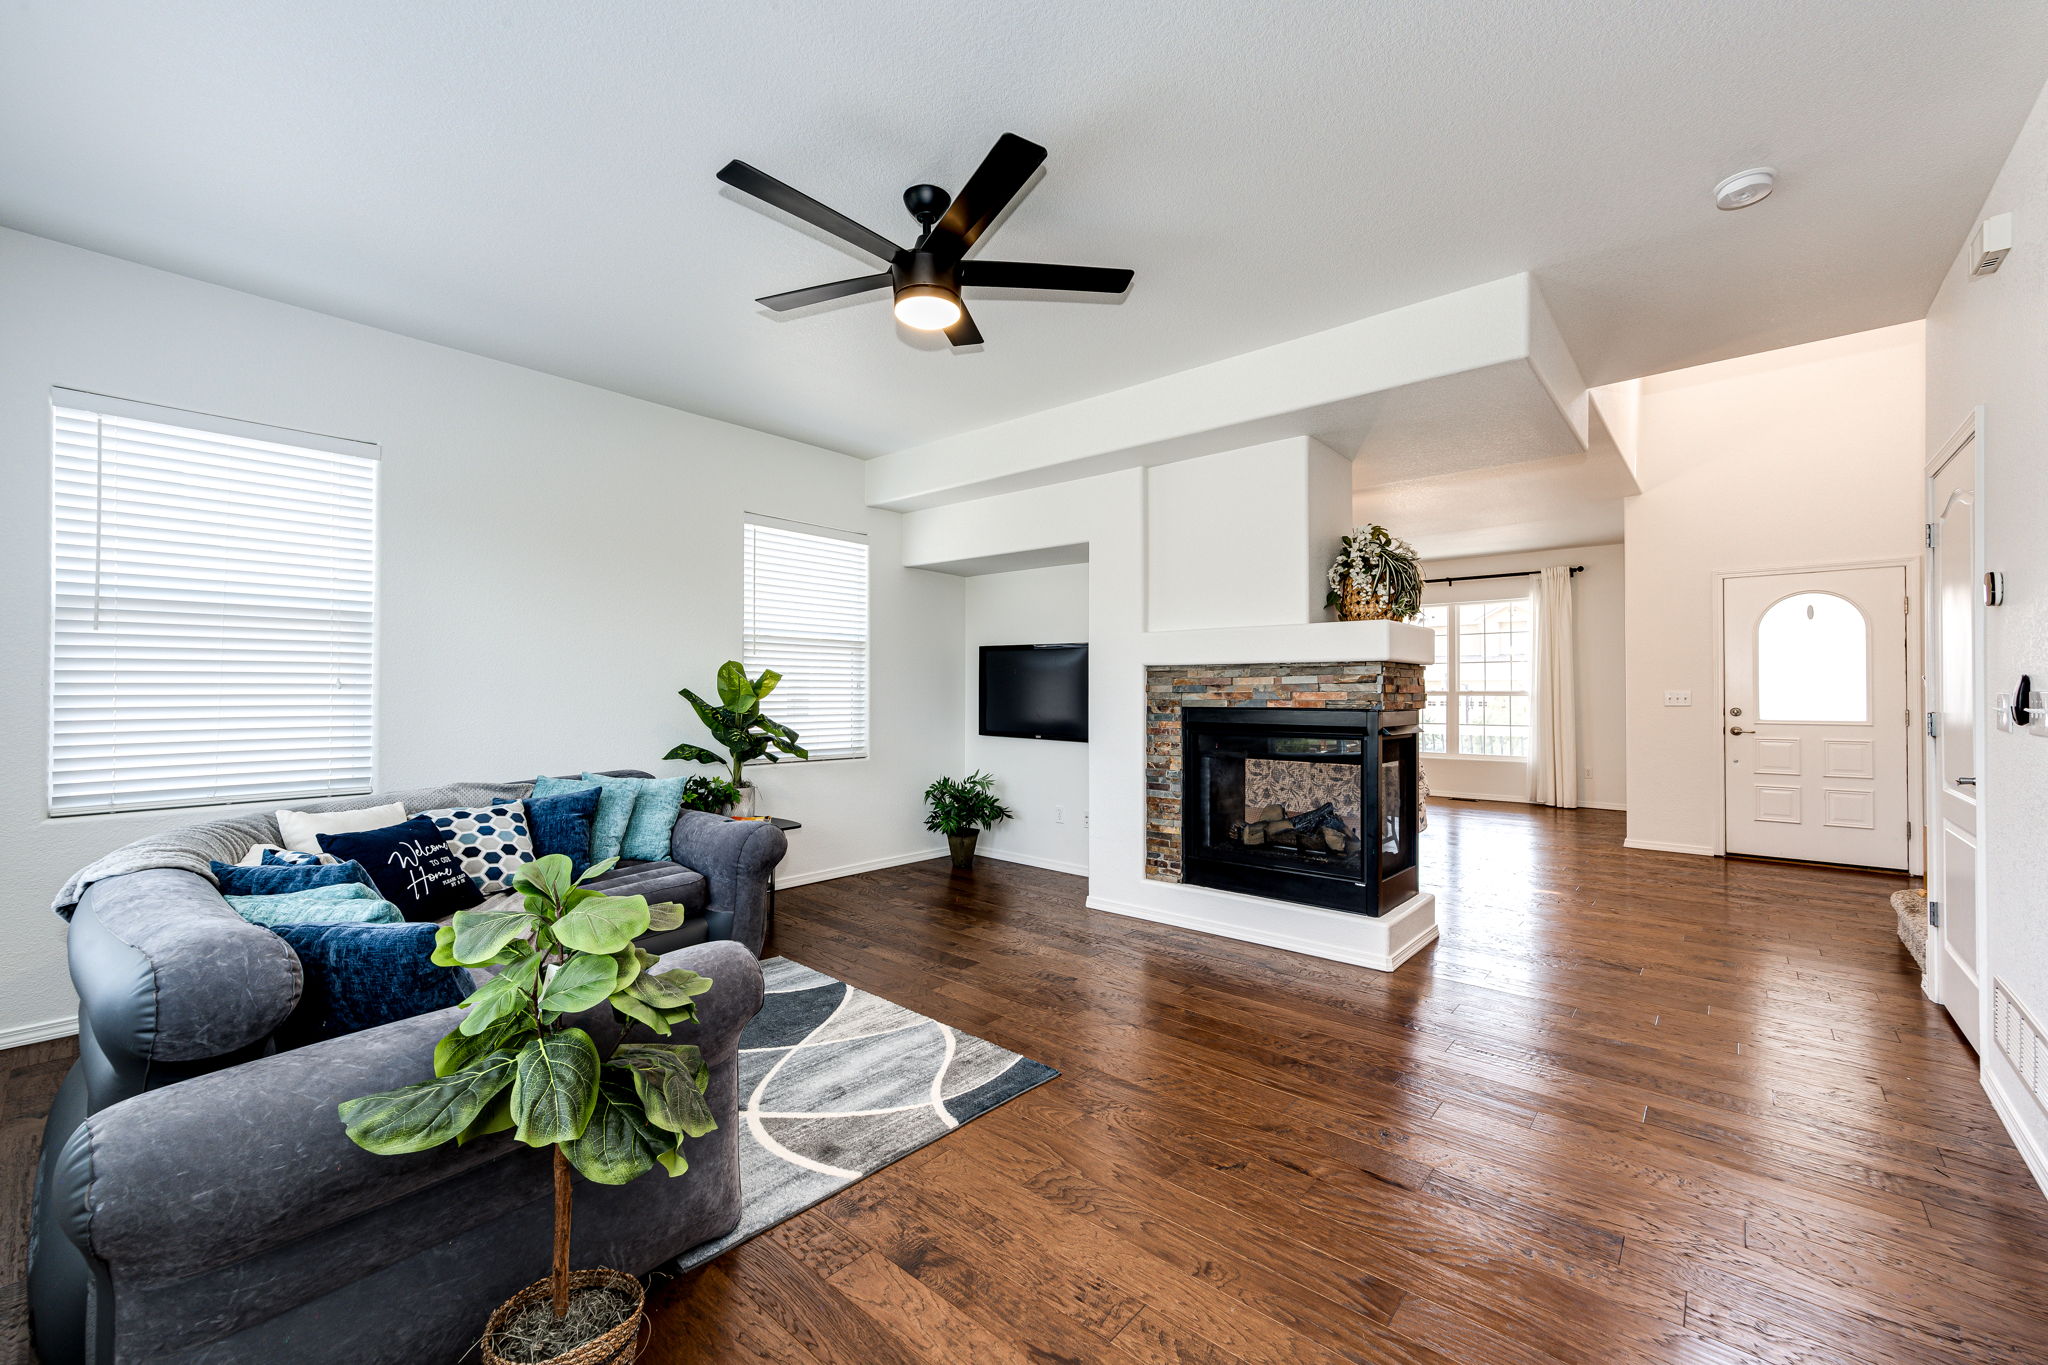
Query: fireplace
1312, 806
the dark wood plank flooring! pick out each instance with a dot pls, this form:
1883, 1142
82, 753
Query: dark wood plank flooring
1632, 1107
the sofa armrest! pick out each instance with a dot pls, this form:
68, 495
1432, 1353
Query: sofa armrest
167, 972
737, 858
243, 1161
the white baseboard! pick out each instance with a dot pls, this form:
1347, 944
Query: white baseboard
1006, 855
826, 874
21, 1035
1517, 800
2012, 1113
1659, 846
1382, 962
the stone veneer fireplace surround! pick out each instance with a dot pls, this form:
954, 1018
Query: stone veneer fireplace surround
1170, 689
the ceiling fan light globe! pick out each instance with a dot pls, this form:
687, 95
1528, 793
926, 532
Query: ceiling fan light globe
927, 308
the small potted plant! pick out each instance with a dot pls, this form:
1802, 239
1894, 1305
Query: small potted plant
707, 793
738, 726
514, 1063
961, 811
1375, 577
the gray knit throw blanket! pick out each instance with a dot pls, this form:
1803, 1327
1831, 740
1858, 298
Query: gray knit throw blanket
195, 848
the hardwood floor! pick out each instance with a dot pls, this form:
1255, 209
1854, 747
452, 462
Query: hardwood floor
1632, 1107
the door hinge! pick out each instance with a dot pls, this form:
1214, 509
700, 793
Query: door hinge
1930, 535
1934, 914
1930, 726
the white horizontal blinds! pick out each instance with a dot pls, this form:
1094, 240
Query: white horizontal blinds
805, 615
212, 613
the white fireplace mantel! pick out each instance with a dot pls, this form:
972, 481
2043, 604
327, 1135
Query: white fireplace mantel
1401, 642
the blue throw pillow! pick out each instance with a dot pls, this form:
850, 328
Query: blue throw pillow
654, 817
281, 879
291, 857
346, 903
412, 866
561, 824
358, 976
614, 808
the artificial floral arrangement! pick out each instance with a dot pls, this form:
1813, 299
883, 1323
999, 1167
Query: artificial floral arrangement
739, 727
1375, 577
961, 810
514, 1063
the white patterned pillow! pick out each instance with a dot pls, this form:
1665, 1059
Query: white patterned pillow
491, 842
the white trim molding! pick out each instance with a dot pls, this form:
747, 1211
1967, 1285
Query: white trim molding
826, 874
1660, 846
1004, 855
1407, 929
21, 1035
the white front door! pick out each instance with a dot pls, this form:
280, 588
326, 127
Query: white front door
1952, 666
1815, 729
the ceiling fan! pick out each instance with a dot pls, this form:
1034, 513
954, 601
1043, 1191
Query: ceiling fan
927, 278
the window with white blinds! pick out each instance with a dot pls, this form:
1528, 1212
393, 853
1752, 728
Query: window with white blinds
805, 615
212, 633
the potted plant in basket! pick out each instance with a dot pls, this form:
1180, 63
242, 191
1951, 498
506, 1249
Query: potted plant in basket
515, 1063
739, 727
961, 811
1375, 577
707, 793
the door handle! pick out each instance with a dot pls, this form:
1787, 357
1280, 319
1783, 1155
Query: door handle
1966, 782
1738, 730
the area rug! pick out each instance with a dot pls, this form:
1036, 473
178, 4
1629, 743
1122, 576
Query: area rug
836, 1083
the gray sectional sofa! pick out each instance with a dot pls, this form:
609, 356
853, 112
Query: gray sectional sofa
198, 1201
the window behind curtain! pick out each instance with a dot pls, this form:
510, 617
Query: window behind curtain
212, 615
1477, 690
805, 615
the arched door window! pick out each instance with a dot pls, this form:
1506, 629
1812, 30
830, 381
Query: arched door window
1813, 660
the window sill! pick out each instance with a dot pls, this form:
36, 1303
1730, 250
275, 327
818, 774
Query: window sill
1475, 758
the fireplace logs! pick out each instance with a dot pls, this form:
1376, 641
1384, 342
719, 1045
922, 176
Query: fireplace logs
1319, 831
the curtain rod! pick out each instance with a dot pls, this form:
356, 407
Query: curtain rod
1577, 569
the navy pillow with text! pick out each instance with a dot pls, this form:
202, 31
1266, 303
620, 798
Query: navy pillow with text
412, 866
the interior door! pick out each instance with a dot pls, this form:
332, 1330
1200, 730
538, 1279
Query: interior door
1816, 729
1952, 881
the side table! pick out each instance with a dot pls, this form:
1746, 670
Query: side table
785, 826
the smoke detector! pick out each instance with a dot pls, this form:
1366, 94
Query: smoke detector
1744, 188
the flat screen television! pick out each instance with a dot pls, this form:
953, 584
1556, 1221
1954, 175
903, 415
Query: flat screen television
1035, 691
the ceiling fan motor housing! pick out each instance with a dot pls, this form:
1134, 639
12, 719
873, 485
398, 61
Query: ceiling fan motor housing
927, 203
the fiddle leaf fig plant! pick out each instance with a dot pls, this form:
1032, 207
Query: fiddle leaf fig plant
515, 1062
737, 724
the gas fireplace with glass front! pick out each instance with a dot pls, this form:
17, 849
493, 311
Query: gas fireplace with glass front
1312, 806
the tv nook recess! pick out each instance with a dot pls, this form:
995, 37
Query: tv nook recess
1035, 691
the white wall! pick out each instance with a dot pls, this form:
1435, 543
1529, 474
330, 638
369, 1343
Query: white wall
1243, 537
1045, 781
1801, 457
556, 560
1987, 343
1602, 723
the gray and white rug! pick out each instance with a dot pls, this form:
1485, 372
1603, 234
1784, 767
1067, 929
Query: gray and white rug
836, 1083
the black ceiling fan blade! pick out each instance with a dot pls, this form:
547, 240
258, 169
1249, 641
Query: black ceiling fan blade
987, 193
797, 204
964, 332
1083, 279
824, 293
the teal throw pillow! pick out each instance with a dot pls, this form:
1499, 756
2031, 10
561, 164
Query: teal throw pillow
614, 808
622, 794
345, 903
654, 817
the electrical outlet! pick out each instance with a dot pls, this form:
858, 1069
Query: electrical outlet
1678, 698
1059, 815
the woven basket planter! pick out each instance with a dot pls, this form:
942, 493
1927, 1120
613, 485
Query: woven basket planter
616, 1347
1362, 604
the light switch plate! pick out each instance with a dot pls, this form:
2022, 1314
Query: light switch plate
1678, 699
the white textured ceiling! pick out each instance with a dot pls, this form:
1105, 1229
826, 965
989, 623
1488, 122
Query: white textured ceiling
532, 179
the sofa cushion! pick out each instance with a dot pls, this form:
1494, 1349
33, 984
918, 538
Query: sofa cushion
664, 881
412, 865
360, 976
561, 824
491, 841
280, 879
